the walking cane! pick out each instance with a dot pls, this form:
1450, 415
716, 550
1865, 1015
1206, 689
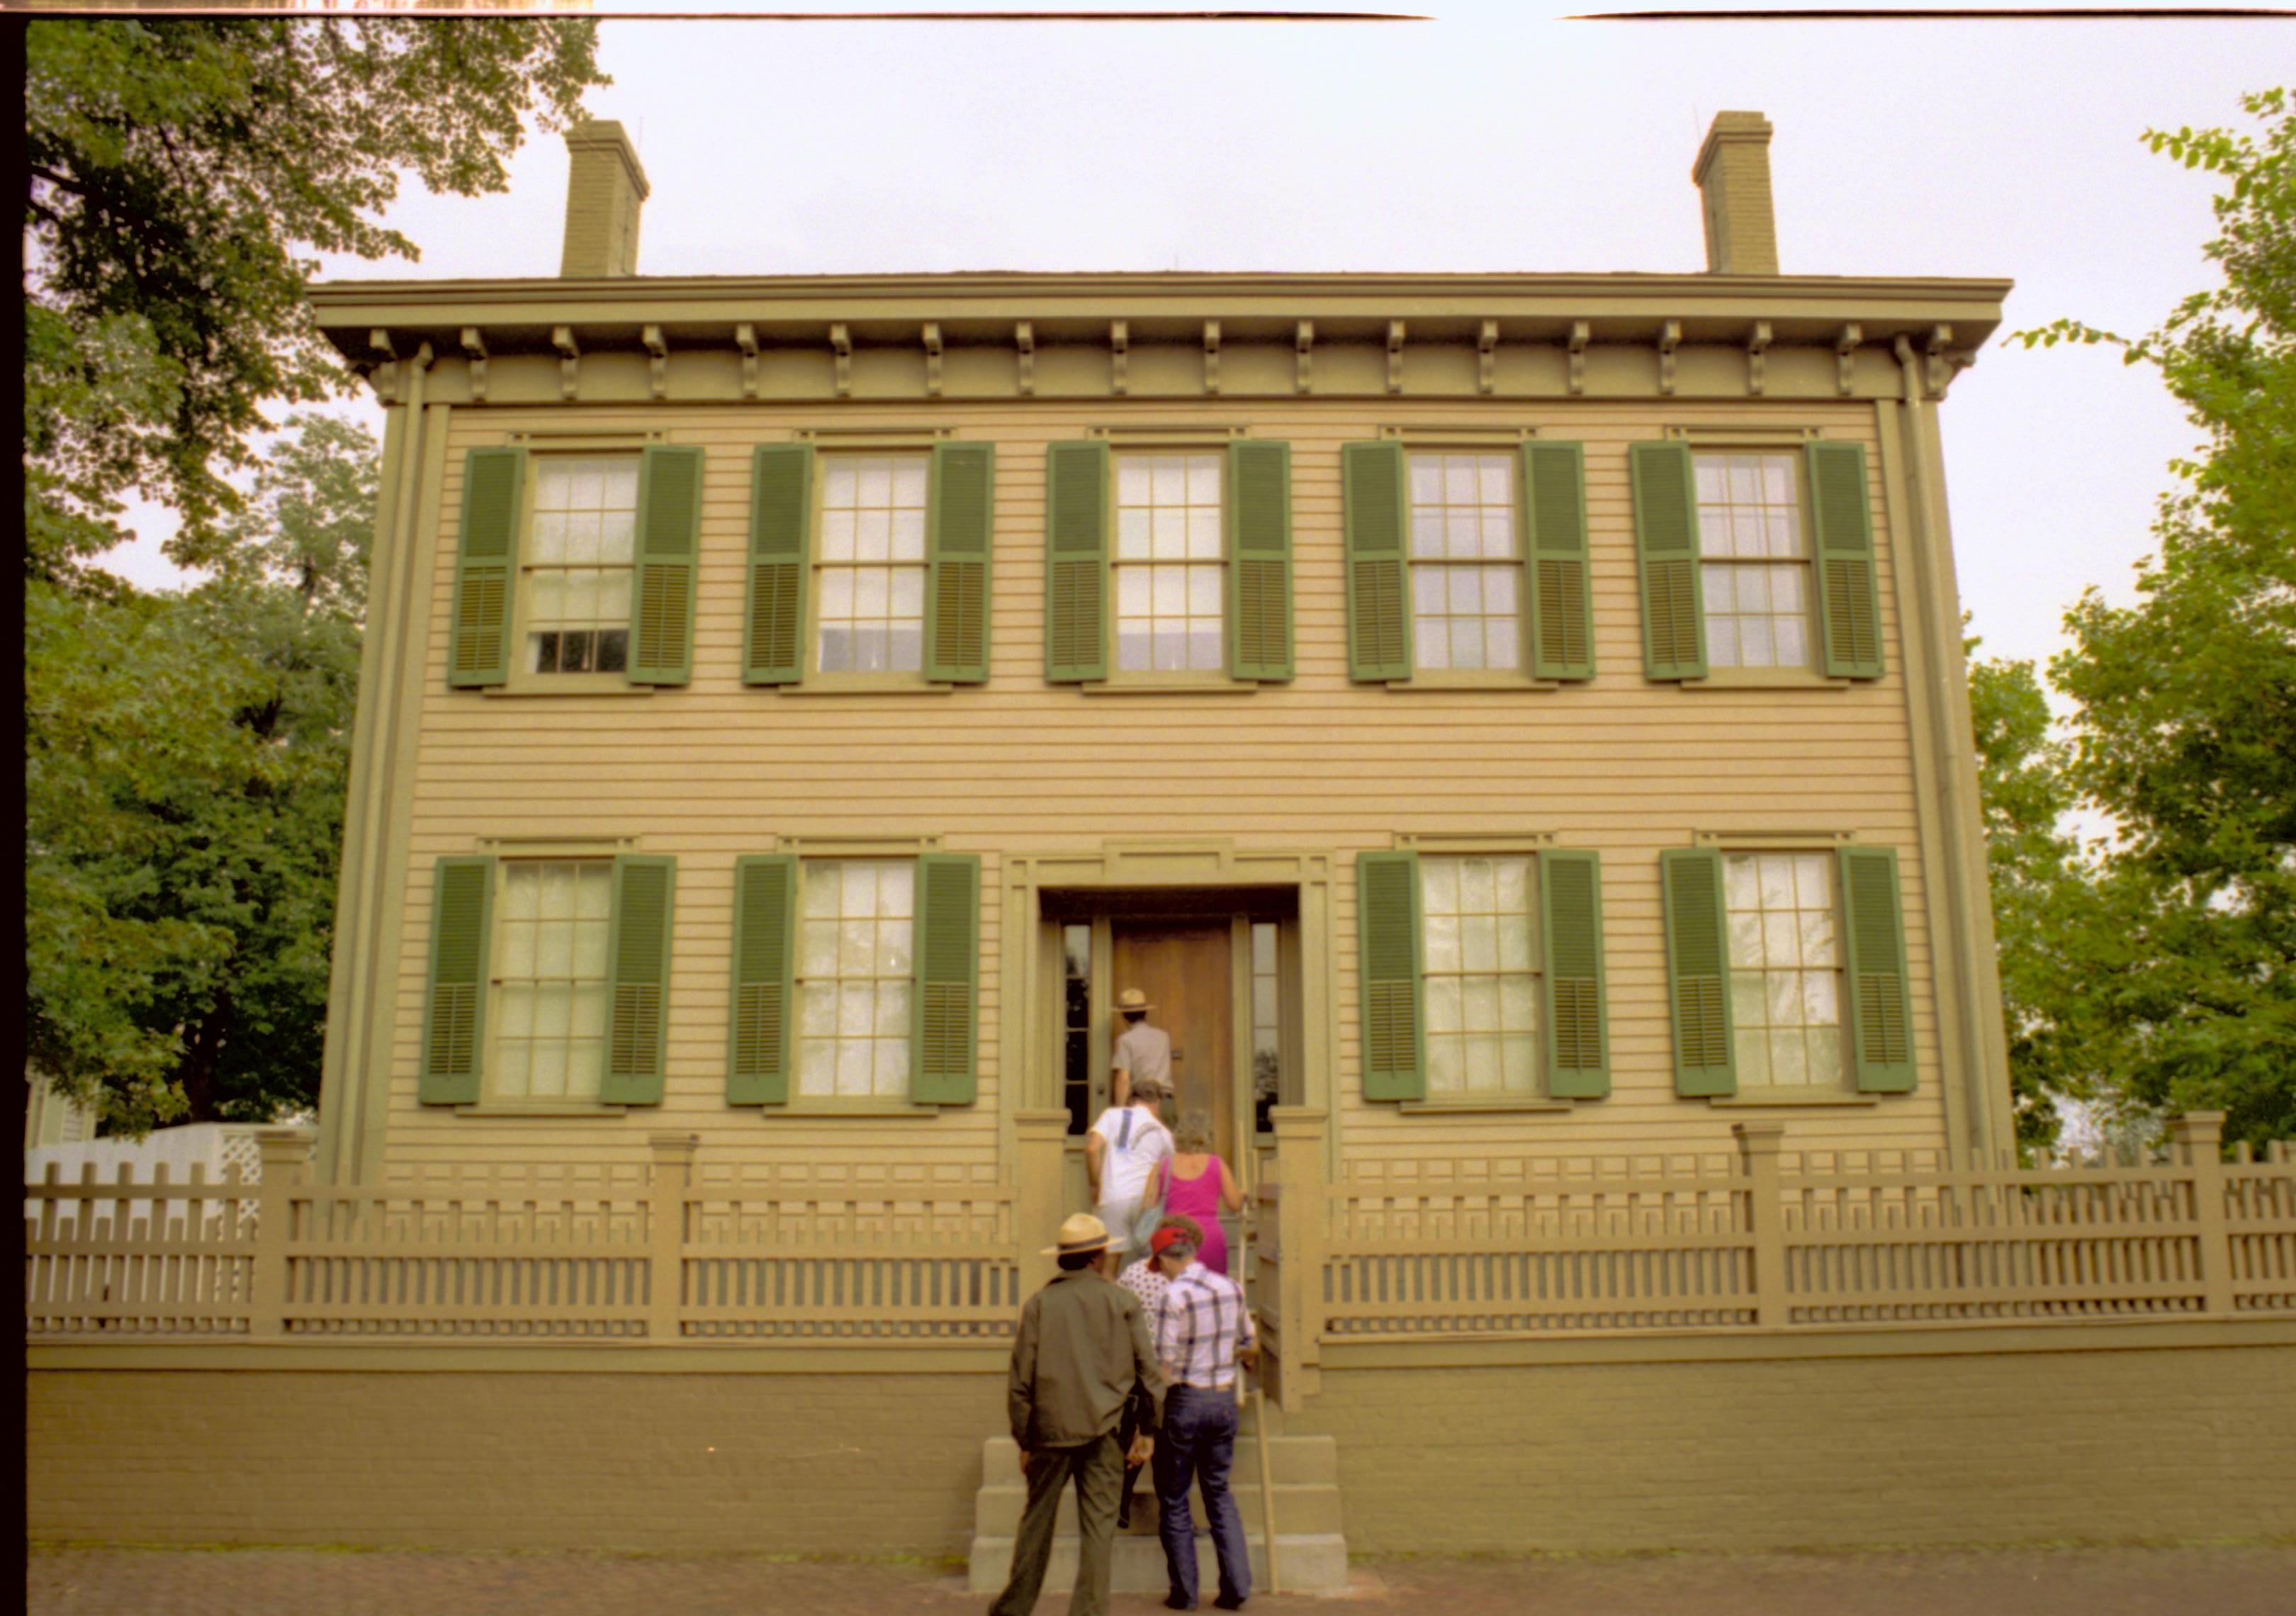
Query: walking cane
1259, 1431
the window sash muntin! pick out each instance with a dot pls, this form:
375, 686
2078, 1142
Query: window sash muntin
1480, 976
1783, 918
578, 565
1465, 536
869, 565
1168, 563
855, 996
550, 979
1754, 537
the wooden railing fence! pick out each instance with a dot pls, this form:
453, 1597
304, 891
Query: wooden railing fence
1511, 1247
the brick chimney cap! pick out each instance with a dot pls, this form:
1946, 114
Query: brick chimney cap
605, 132
1729, 128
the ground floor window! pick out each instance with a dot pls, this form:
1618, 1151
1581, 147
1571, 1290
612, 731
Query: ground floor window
550, 979
1481, 992
1785, 1006
855, 950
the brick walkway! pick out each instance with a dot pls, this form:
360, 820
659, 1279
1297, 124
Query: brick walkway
2223, 1581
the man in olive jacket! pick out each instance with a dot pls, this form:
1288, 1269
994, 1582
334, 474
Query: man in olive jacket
1083, 1352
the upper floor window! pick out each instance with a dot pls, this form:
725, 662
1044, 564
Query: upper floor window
1785, 968
1170, 572
869, 605
578, 564
1465, 563
1754, 561
551, 978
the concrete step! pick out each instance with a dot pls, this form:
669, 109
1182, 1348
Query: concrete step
1303, 1461
1314, 1508
1310, 1561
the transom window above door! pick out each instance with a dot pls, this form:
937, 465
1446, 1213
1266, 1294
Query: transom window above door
1170, 570
1466, 568
579, 563
870, 566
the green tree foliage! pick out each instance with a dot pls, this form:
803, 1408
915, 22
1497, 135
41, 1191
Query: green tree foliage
2184, 728
180, 172
186, 759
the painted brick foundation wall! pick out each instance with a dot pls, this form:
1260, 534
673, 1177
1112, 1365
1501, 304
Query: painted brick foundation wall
1815, 1452
803, 1464
1876, 1438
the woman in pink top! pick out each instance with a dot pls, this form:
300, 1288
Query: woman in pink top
1202, 1187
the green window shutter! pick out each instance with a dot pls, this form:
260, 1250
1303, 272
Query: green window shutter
1557, 567
1666, 537
668, 550
1577, 1033
1076, 563
455, 1016
477, 644
1880, 1009
762, 1046
943, 1059
959, 522
1260, 561
1378, 515
637, 949
1849, 603
1392, 1026
1698, 971
781, 533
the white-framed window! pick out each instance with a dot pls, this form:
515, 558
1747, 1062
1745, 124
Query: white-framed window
1477, 970
1171, 574
856, 924
1466, 566
550, 971
1754, 560
1785, 968
578, 564
869, 604
1266, 1025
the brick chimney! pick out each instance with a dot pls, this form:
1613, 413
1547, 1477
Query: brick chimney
605, 189
1734, 182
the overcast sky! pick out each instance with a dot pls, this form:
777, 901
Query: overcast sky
1494, 137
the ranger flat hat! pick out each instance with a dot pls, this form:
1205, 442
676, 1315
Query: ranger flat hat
1132, 1000
1078, 1235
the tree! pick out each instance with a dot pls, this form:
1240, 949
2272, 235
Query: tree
179, 175
187, 761
2184, 728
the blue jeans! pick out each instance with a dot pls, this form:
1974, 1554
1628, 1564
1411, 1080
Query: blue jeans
1198, 1443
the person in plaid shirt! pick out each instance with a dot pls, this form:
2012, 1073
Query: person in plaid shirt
1145, 1280
1203, 1332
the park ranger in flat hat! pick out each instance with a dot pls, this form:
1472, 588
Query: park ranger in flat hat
1141, 1051
1082, 1354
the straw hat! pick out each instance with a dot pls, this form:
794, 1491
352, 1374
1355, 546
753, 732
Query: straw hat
1132, 1001
1078, 1235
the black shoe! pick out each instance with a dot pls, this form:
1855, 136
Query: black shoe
1226, 1604
1173, 1602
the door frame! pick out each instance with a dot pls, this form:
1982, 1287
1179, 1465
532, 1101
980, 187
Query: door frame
1031, 979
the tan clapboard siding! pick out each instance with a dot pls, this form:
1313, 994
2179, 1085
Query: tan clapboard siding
1020, 767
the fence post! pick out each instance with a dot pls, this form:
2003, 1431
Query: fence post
1758, 1144
1303, 1215
2198, 1137
673, 1177
1039, 1190
285, 1153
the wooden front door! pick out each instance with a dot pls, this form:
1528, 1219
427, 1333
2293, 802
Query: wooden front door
1183, 966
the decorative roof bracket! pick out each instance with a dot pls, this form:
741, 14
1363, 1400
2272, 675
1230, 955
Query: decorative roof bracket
1487, 357
1024, 340
1304, 347
1211, 355
841, 343
1758, 349
1937, 372
1395, 335
1119, 345
1670, 338
745, 337
1845, 356
657, 359
569, 362
474, 346
933, 358
1580, 333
